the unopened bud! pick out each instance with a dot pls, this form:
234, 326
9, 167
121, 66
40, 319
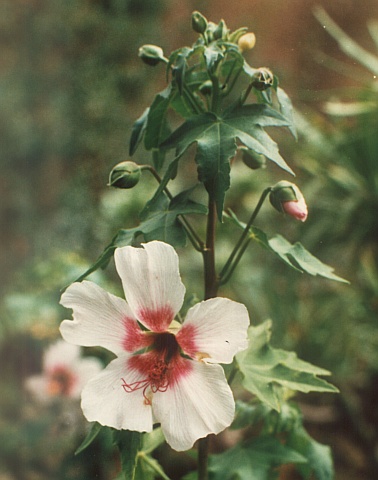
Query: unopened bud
287, 198
247, 42
199, 22
262, 79
253, 159
124, 175
151, 54
220, 31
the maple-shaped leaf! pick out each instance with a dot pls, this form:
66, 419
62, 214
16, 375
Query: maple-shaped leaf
216, 138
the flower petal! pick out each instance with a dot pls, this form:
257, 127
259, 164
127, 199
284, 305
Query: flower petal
37, 386
100, 319
214, 330
152, 283
60, 353
85, 369
200, 403
105, 401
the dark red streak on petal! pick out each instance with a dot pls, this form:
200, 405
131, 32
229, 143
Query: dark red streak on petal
135, 338
157, 320
186, 338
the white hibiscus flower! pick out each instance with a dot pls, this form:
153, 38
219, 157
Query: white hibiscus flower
64, 372
164, 372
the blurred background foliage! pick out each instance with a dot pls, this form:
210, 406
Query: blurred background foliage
71, 85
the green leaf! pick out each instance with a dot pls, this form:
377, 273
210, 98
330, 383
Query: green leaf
149, 468
213, 55
319, 457
129, 444
216, 143
137, 132
90, 437
265, 368
247, 414
159, 222
156, 117
288, 424
294, 255
286, 108
253, 460
157, 128
299, 257
179, 68
153, 440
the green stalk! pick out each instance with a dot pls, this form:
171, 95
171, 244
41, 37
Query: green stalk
242, 243
210, 292
191, 99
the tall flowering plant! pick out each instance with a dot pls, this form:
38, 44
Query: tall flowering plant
167, 381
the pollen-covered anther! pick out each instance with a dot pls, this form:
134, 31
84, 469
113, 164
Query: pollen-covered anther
200, 356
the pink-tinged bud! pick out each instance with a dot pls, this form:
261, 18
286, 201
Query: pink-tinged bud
296, 209
287, 198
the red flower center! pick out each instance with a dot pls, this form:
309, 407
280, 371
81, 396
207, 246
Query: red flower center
159, 366
60, 381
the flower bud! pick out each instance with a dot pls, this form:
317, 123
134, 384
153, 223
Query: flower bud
247, 42
151, 54
253, 159
124, 175
220, 31
287, 198
199, 22
262, 79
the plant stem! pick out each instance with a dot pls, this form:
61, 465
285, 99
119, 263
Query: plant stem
210, 292
188, 95
241, 245
209, 253
215, 93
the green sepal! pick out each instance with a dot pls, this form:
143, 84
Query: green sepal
267, 370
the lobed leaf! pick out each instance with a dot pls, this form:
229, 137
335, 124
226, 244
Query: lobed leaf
216, 143
159, 222
265, 368
294, 255
253, 459
319, 457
